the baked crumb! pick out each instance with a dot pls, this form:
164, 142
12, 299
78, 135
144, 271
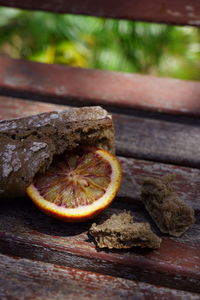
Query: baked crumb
121, 232
170, 214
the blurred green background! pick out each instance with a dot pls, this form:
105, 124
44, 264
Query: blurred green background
90, 42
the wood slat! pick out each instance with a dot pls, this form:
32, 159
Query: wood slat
158, 140
26, 279
174, 12
26, 232
66, 85
148, 139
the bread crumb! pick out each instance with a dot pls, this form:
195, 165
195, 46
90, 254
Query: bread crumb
170, 214
121, 232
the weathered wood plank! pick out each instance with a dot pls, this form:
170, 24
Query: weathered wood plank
26, 279
174, 12
26, 232
158, 140
66, 85
149, 139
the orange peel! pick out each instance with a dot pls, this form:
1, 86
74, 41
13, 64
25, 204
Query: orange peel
78, 185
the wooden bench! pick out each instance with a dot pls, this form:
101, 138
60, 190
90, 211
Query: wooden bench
157, 132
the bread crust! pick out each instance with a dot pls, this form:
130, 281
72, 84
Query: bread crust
28, 145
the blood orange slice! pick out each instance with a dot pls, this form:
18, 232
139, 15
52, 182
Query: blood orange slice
78, 185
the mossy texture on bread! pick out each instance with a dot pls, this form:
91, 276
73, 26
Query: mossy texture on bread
121, 232
28, 145
170, 214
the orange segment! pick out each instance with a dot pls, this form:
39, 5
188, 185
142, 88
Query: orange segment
78, 185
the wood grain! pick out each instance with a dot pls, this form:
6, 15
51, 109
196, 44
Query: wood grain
66, 85
157, 140
25, 232
27, 279
149, 139
174, 12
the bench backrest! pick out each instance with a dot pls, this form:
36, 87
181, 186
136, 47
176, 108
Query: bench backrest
63, 84
165, 11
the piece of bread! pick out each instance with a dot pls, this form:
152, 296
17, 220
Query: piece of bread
28, 145
121, 232
170, 214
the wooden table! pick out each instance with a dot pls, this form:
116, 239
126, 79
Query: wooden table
42, 258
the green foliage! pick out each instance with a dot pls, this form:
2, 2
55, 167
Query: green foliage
101, 43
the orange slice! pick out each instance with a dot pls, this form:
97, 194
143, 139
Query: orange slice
78, 185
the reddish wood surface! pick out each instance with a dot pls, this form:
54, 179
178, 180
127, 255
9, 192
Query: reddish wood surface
26, 232
175, 12
67, 85
15, 107
137, 137
26, 279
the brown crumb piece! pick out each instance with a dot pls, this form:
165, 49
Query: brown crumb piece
170, 214
120, 231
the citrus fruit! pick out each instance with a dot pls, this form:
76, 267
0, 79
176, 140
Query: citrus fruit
78, 185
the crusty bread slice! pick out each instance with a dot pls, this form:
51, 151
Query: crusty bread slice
28, 145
